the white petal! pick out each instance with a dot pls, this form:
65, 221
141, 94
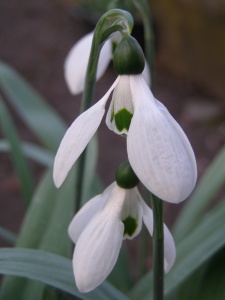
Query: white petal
104, 59
169, 250
146, 74
77, 137
83, 217
121, 99
99, 244
86, 213
116, 37
158, 149
132, 209
77, 60
169, 245
75, 140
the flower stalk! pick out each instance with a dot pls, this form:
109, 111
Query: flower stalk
158, 248
143, 7
111, 21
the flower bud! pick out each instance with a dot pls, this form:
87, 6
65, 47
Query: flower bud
125, 176
128, 58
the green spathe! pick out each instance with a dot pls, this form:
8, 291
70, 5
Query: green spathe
122, 119
130, 225
125, 176
128, 58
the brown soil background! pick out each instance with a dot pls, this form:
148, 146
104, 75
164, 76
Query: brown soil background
35, 37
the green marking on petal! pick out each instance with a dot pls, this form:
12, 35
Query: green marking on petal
112, 114
130, 225
122, 119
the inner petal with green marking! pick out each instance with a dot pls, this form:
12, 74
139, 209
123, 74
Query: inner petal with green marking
130, 225
122, 119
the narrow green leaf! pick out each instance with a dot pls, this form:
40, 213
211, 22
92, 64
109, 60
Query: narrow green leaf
205, 191
212, 281
21, 166
89, 170
45, 227
207, 282
36, 153
192, 252
120, 276
189, 288
32, 108
50, 269
8, 235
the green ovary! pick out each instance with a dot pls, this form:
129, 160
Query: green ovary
122, 119
130, 225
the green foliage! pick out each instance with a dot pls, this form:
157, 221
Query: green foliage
31, 151
51, 269
208, 187
21, 166
199, 246
32, 108
51, 210
8, 235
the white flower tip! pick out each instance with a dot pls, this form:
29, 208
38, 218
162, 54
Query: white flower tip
84, 284
57, 182
76, 64
169, 250
58, 176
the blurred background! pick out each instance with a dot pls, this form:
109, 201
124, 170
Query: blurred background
36, 36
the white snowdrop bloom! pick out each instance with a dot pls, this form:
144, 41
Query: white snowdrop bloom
99, 229
77, 61
158, 149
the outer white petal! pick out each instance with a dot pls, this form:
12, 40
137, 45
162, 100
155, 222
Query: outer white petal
169, 245
83, 217
77, 137
121, 99
104, 59
86, 213
99, 244
116, 37
158, 149
77, 60
146, 74
169, 249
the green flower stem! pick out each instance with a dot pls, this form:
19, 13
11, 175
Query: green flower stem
111, 21
143, 7
157, 204
158, 248
87, 99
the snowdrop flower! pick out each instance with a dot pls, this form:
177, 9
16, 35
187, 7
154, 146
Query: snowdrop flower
77, 61
158, 149
99, 229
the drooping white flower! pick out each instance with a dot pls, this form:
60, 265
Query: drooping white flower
77, 61
158, 149
99, 228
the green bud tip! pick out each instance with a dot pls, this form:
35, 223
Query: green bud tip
125, 176
128, 57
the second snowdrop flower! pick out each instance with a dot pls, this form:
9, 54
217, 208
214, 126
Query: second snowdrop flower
99, 229
77, 61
